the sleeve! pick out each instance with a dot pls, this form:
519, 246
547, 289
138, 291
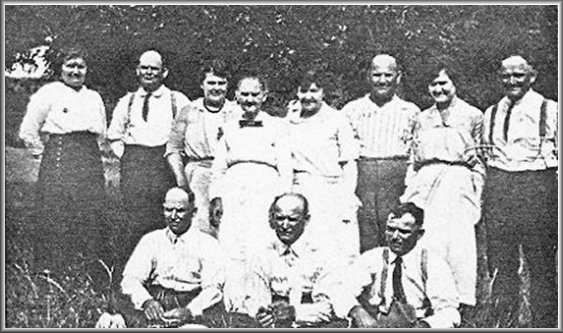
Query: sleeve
348, 111
257, 287
212, 280
137, 271
175, 143
119, 119
103, 122
347, 145
343, 287
37, 111
218, 169
477, 134
284, 159
182, 100
553, 114
442, 293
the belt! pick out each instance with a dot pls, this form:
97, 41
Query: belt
418, 165
386, 158
252, 162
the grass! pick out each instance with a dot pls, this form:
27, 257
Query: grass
38, 297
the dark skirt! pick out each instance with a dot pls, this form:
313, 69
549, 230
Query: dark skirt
71, 198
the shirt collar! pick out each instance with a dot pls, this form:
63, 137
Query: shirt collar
173, 238
157, 93
528, 97
392, 101
297, 248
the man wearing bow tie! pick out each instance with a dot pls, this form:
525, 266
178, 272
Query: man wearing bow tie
252, 165
282, 288
138, 133
401, 285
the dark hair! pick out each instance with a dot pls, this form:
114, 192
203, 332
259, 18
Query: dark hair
310, 77
217, 67
66, 53
290, 194
434, 65
409, 208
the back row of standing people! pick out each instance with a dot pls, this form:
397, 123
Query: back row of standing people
379, 149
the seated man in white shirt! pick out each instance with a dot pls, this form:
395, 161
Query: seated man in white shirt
281, 291
402, 285
174, 276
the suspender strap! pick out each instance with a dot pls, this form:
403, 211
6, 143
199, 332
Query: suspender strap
424, 265
492, 123
543, 116
173, 101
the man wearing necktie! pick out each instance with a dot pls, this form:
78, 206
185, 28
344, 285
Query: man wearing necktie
401, 285
282, 290
138, 132
520, 197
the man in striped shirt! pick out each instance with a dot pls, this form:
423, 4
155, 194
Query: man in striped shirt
383, 124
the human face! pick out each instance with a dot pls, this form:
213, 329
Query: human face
73, 72
517, 78
384, 78
250, 96
288, 219
442, 88
178, 213
402, 233
214, 89
311, 98
150, 71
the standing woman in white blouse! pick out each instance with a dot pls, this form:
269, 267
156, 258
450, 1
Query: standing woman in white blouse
65, 126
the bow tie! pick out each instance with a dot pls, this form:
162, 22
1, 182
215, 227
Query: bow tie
250, 123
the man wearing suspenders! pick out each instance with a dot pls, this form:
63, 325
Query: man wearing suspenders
520, 195
138, 133
401, 285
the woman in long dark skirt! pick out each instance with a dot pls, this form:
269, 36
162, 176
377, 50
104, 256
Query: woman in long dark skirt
65, 126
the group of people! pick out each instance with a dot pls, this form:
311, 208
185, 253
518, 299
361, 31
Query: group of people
297, 220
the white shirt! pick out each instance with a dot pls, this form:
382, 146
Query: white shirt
439, 286
58, 109
182, 263
127, 122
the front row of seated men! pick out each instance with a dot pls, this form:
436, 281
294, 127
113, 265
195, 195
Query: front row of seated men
175, 275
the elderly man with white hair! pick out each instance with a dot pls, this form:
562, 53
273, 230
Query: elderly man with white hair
383, 123
138, 132
520, 195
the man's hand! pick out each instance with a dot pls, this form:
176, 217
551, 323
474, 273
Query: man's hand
314, 312
284, 314
177, 316
110, 321
118, 148
265, 317
361, 318
215, 211
153, 310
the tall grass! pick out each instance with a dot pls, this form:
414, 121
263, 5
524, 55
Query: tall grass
40, 297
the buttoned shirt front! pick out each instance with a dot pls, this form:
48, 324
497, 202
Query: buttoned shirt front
196, 131
523, 149
127, 123
452, 135
182, 263
290, 272
59, 109
436, 286
383, 132
321, 142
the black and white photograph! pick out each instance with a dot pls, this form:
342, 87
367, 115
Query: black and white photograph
214, 165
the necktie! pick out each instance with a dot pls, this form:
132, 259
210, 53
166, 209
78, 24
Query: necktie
289, 256
507, 120
398, 292
146, 106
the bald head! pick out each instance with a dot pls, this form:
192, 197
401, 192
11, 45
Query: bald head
178, 210
384, 77
151, 70
289, 214
384, 60
177, 194
517, 77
